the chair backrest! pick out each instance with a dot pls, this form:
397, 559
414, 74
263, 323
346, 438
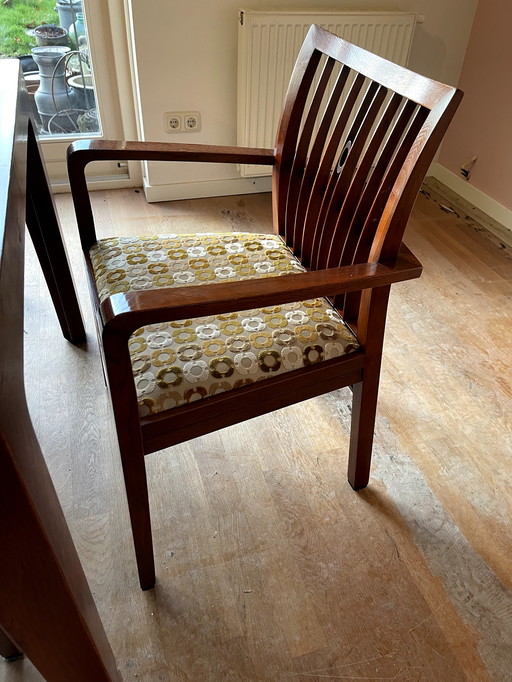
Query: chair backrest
355, 140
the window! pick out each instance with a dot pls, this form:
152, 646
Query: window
101, 62
50, 39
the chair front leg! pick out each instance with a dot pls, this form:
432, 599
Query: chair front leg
124, 403
135, 481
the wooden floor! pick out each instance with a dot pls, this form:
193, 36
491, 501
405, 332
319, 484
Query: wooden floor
269, 566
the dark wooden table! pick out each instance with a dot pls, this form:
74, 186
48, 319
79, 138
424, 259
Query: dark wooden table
46, 607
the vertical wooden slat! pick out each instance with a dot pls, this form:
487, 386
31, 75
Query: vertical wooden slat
386, 154
302, 243
299, 162
352, 217
298, 91
363, 245
353, 209
342, 175
315, 203
368, 232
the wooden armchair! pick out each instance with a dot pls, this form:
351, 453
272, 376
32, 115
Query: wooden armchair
355, 140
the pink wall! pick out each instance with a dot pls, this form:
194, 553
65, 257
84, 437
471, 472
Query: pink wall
483, 124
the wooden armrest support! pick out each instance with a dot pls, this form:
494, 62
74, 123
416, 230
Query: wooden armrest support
126, 312
82, 152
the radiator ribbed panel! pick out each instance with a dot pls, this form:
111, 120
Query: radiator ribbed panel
268, 44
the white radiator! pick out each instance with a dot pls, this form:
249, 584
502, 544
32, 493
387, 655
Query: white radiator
268, 44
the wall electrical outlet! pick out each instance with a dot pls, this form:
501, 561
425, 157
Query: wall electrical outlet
182, 121
172, 122
191, 120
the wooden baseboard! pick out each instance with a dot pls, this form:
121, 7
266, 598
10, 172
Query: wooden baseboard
210, 188
469, 202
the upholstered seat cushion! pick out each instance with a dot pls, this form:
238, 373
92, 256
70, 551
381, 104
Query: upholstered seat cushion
177, 362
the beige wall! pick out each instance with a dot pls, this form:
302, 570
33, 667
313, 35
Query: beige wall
483, 124
186, 56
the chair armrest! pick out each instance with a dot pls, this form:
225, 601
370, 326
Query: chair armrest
123, 313
82, 152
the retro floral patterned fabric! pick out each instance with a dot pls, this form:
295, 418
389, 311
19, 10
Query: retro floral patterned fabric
177, 362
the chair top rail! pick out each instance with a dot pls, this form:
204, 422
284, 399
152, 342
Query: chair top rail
423, 90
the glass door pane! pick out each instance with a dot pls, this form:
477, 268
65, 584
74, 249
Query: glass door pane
50, 38
66, 52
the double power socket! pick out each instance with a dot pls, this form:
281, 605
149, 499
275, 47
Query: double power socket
182, 121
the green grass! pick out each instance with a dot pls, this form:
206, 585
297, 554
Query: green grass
18, 16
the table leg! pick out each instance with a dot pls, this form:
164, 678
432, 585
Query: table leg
44, 228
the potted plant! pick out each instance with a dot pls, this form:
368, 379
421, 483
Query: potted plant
83, 86
51, 34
